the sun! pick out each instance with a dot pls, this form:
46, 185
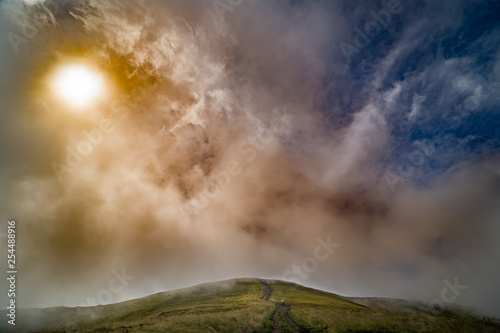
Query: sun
78, 85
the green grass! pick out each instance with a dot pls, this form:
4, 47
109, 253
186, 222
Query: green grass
237, 306
323, 312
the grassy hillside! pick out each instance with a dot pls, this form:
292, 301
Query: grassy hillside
319, 311
250, 305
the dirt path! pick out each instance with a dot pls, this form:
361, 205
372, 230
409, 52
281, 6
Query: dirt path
282, 311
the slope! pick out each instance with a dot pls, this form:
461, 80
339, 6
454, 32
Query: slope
250, 305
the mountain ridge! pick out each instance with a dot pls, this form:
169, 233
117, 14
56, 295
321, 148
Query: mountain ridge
251, 305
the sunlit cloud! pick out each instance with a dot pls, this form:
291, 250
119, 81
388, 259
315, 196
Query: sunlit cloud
219, 144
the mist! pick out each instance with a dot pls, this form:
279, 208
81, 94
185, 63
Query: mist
288, 140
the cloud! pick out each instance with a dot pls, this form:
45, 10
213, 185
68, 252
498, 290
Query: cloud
237, 140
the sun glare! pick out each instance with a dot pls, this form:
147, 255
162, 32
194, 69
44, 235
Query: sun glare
78, 85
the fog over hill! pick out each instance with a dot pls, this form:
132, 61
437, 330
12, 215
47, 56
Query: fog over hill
254, 305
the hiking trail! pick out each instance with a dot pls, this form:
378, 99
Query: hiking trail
282, 311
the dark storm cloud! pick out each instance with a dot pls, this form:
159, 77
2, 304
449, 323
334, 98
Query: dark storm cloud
240, 137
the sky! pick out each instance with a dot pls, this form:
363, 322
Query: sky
350, 146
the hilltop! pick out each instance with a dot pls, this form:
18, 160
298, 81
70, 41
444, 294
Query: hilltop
252, 305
